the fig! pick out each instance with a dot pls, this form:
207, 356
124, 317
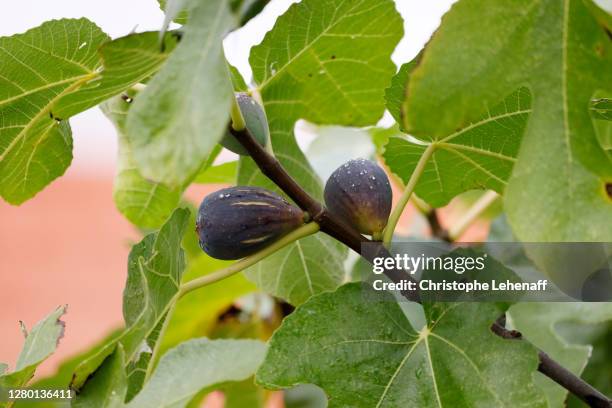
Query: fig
359, 193
256, 123
238, 221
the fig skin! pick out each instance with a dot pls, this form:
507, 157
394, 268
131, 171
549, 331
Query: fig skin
360, 194
238, 221
255, 120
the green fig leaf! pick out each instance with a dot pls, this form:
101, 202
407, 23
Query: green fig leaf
107, 386
478, 156
39, 344
202, 363
49, 74
562, 52
213, 299
145, 203
365, 353
155, 268
178, 119
309, 266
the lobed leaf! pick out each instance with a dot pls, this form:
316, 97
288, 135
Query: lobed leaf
39, 68
478, 156
334, 57
562, 51
48, 74
309, 266
366, 354
181, 115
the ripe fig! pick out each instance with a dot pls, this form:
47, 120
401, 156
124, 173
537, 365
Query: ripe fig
256, 123
238, 221
359, 193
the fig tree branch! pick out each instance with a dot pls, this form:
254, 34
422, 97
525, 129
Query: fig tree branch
346, 234
437, 230
559, 374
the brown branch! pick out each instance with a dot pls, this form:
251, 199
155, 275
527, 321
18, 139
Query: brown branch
346, 234
437, 230
556, 372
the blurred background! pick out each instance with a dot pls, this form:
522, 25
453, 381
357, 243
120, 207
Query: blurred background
69, 245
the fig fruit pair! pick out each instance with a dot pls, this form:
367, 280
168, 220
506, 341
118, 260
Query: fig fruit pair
238, 221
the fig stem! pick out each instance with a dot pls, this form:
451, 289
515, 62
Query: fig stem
238, 122
301, 232
405, 197
472, 214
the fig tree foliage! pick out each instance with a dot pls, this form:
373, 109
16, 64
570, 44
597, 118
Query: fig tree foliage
511, 96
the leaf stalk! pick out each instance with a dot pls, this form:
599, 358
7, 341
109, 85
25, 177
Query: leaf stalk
299, 233
405, 197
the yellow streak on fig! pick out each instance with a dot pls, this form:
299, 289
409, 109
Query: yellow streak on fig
255, 240
259, 203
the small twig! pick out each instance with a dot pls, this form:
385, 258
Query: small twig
437, 230
347, 235
568, 380
559, 374
472, 214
